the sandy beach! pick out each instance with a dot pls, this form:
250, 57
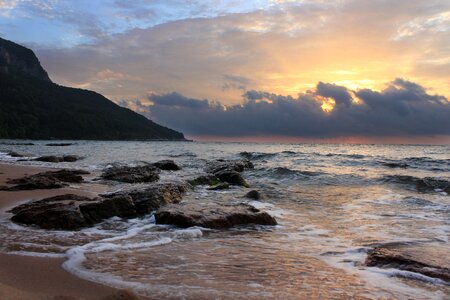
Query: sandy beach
25, 277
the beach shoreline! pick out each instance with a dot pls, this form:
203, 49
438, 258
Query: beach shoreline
28, 277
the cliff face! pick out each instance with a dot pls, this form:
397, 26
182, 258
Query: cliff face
33, 107
17, 59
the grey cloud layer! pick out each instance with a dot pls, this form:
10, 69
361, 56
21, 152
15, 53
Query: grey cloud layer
403, 108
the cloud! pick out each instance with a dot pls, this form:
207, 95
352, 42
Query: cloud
402, 108
282, 49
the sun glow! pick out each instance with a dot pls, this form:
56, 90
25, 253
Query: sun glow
327, 104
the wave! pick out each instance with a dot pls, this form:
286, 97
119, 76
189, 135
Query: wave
257, 155
186, 154
355, 156
421, 184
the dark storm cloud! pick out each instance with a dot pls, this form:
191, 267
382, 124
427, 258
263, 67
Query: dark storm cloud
403, 108
339, 93
178, 101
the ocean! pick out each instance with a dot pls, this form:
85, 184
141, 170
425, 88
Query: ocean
333, 204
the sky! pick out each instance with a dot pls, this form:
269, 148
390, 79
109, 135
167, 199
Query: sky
342, 70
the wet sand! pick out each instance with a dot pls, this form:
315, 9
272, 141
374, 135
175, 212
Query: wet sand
27, 278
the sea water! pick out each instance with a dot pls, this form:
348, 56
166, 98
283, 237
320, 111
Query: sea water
333, 203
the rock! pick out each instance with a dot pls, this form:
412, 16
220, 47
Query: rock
60, 212
212, 215
228, 170
234, 165
132, 174
219, 186
72, 212
59, 144
15, 154
49, 158
47, 180
231, 177
57, 159
119, 206
168, 165
386, 257
254, 194
208, 179
70, 158
153, 197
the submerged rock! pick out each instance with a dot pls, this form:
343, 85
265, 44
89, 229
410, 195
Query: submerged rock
151, 198
219, 186
254, 194
47, 180
168, 165
132, 174
398, 258
57, 159
15, 154
72, 212
208, 179
212, 215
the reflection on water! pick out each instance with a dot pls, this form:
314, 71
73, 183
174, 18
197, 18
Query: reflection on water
329, 200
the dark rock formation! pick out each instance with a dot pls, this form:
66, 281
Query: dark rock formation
151, 198
208, 179
120, 206
132, 174
231, 177
168, 165
228, 170
219, 186
57, 159
386, 257
212, 215
254, 194
47, 180
72, 212
60, 212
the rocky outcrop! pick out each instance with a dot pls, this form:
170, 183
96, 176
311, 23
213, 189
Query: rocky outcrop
137, 174
58, 159
46, 180
72, 212
151, 198
167, 165
118, 206
212, 215
386, 257
229, 171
